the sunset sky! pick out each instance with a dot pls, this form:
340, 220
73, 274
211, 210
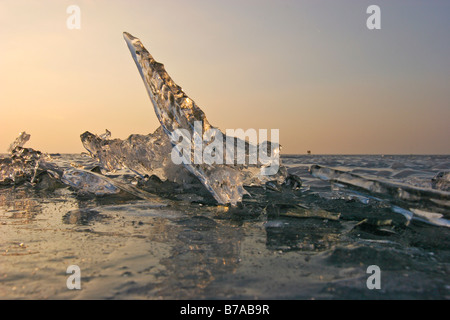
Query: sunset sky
310, 68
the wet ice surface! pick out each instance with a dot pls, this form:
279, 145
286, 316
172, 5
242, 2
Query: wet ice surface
316, 242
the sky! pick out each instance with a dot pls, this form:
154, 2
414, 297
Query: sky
310, 68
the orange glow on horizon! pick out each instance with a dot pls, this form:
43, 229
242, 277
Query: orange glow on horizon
319, 76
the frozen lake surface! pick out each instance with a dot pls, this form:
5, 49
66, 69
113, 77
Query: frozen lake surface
316, 242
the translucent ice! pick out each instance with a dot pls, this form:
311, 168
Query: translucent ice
144, 154
22, 164
179, 115
379, 186
20, 141
88, 182
25, 164
441, 181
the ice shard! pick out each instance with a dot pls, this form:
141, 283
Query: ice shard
22, 163
20, 141
143, 154
179, 117
21, 166
88, 182
441, 181
29, 165
380, 187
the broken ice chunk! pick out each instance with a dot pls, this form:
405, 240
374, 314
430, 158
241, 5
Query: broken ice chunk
20, 141
441, 181
88, 182
177, 113
23, 163
143, 154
